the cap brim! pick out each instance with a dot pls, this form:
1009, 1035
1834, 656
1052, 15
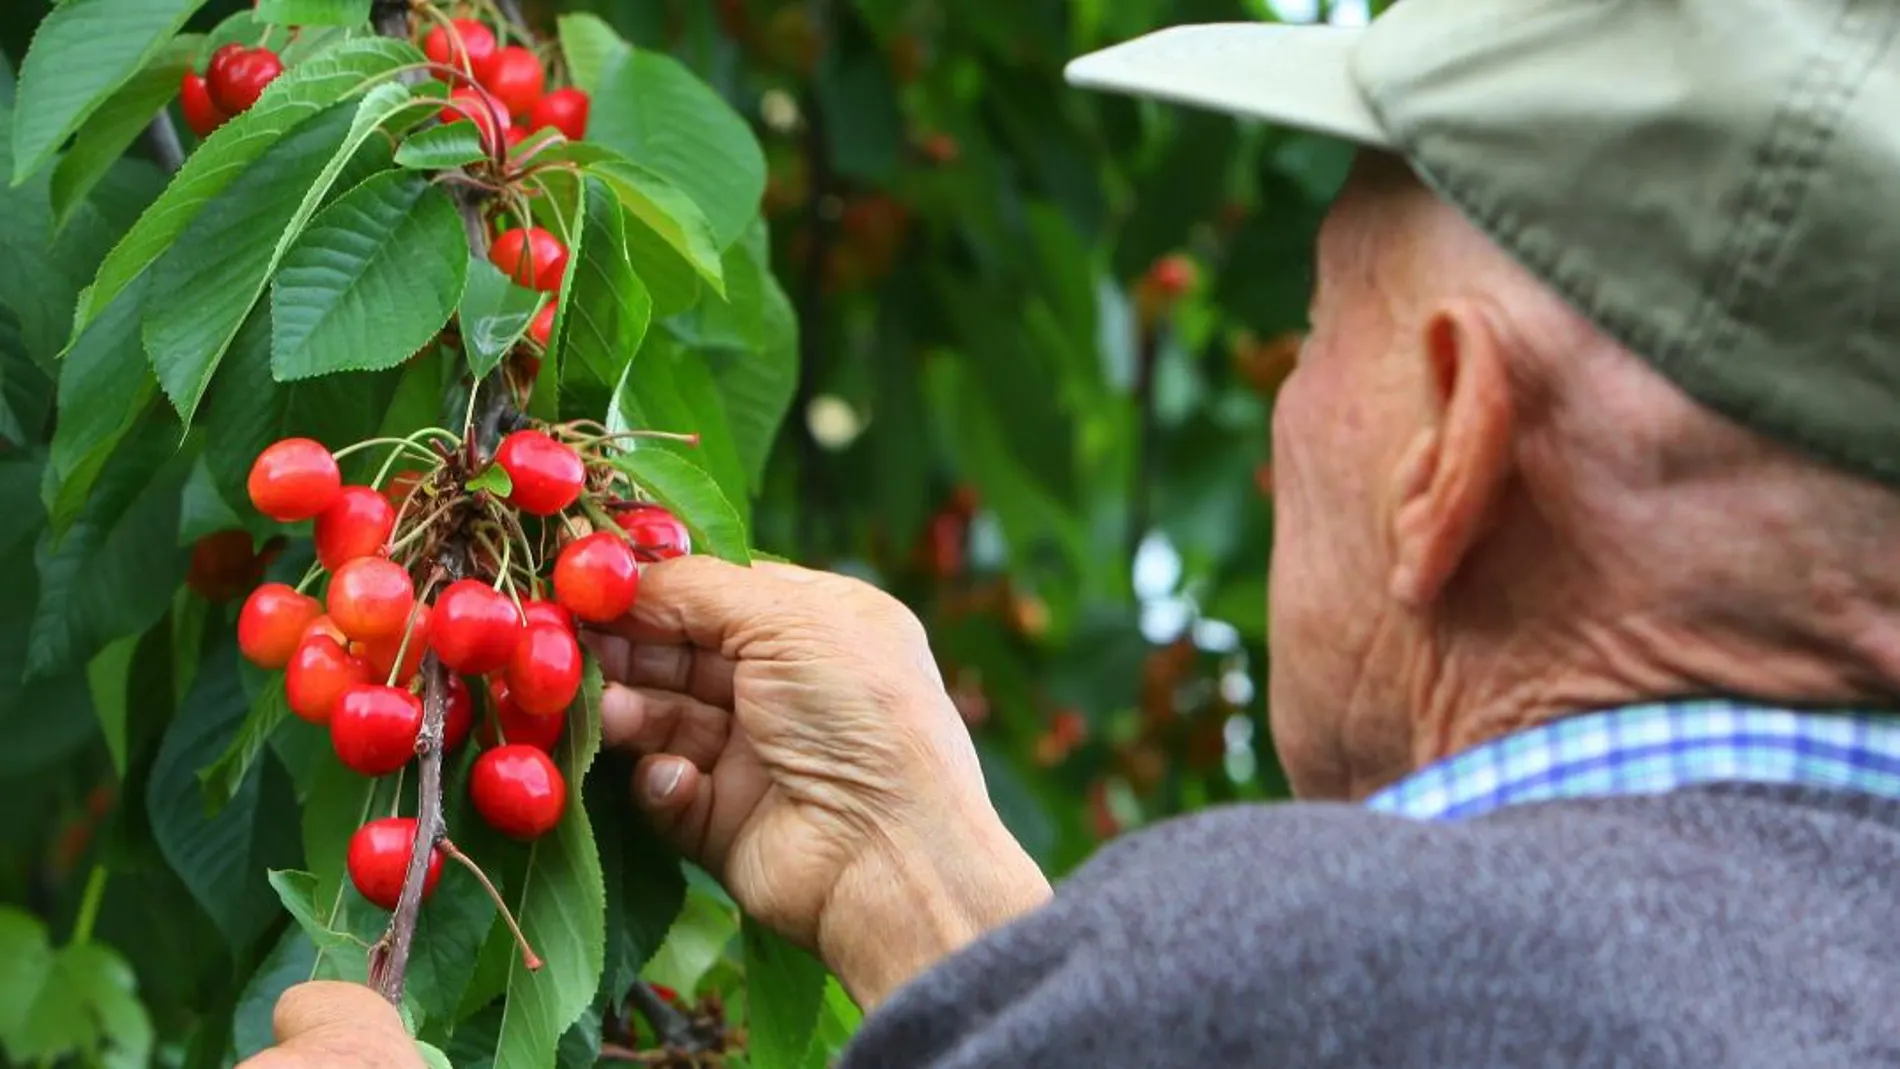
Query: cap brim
1298, 76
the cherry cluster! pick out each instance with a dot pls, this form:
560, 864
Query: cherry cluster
234, 77
353, 660
505, 91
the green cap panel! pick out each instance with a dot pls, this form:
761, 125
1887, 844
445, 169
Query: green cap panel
1715, 182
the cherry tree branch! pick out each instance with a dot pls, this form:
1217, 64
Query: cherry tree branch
161, 137
390, 968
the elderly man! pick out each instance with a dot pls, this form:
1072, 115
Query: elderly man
1586, 599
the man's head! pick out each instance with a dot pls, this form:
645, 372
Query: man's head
1489, 512
1601, 401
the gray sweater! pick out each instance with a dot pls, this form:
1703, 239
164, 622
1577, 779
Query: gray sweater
1722, 926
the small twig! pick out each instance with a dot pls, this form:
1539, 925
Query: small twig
529, 958
161, 137
674, 1028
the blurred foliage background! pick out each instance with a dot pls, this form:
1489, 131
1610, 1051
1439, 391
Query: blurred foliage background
1042, 330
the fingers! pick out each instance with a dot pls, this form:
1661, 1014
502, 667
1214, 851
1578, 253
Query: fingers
704, 601
326, 1005
663, 721
677, 799
702, 673
328, 1023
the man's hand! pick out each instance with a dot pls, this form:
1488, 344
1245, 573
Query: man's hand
800, 746
331, 1025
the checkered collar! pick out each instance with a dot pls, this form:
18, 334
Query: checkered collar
1650, 749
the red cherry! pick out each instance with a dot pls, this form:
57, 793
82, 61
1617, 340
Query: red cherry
401, 485
379, 860
515, 76
477, 46
545, 672
547, 476
531, 256
518, 727
563, 109
481, 108
515, 135
295, 479
201, 112
459, 716
326, 627
656, 533
318, 674
370, 598
272, 623
1174, 275
381, 653
225, 564
596, 578
518, 791
537, 611
475, 627
357, 525
373, 728
219, 65
542, 329
242, 78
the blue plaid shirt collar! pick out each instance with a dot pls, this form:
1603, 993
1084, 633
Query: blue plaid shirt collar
1650, 749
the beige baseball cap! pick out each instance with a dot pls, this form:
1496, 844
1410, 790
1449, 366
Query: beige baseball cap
1716, 183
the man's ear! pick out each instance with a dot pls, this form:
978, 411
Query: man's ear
1454, 472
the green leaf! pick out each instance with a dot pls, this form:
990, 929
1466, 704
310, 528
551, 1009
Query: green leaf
605, 315
561, 908
371, 282
495, 314
299, 94
81, 53
439, 148
88, 1003
644, 886
650, 107
784, 986
493, 479
109, 675
223, 859
673, 390
26, 957
694, 497
313, 12
591, 48
104, 386
432, 1056
116, 125
698, 939
108, 576
223, 778
756, 331
670, 277
669, 213
288, 964
298, 893
208, 281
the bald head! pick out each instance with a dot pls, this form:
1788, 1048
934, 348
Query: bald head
1491, 513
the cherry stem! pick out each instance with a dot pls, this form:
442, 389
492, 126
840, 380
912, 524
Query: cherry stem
529, 958
309, 577
414, 440
409, 631
371, 443
420, 528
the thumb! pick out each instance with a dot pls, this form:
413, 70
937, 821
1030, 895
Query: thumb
327, 1005
704, 601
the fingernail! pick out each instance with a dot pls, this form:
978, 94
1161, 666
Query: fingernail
663, 780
